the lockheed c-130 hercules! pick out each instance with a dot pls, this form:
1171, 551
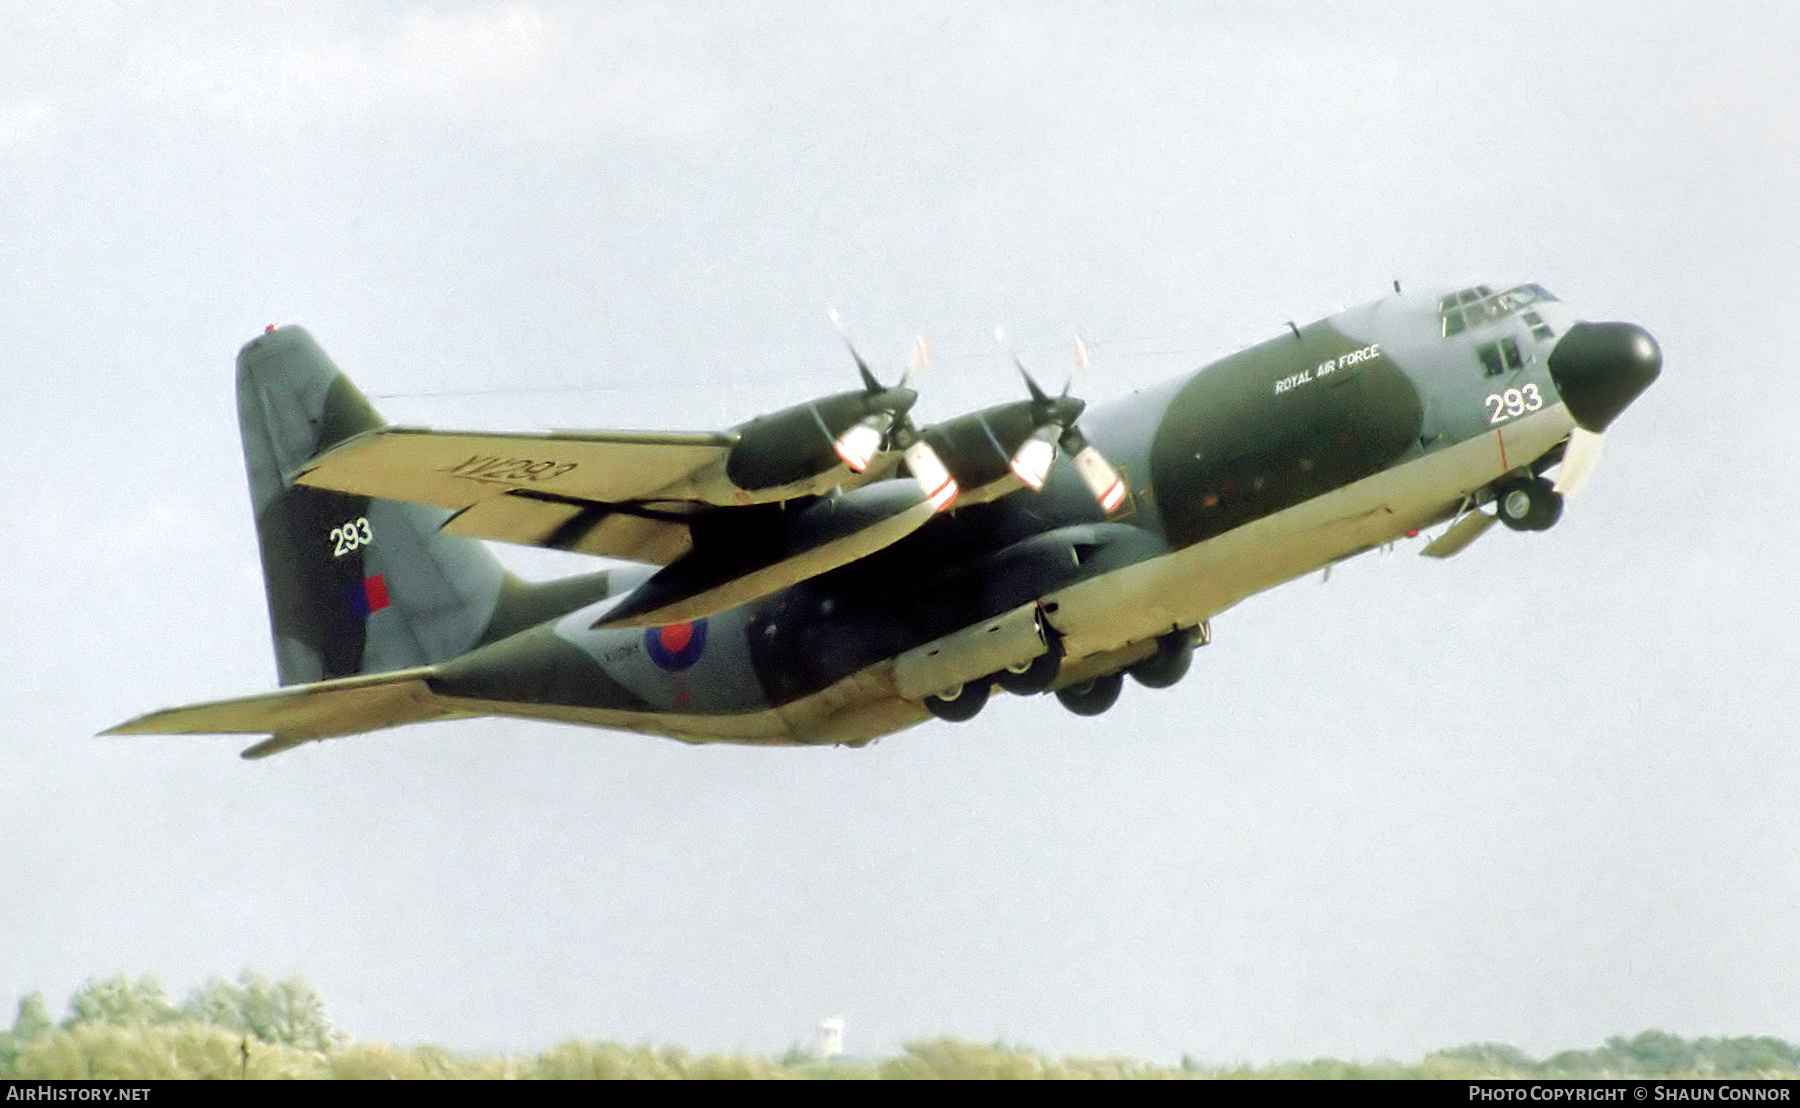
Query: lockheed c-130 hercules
833, 572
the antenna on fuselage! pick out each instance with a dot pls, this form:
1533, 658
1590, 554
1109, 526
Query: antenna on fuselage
1292, 326
1396, 286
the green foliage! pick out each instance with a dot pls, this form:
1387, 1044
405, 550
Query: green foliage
118, 1029
364, 1061
120, 1002
611, 1062
33, 1018
954, 1060
101, 1051
287, 1012
1485, 1059
1660, 1054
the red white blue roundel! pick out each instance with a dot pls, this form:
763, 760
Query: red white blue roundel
676, 646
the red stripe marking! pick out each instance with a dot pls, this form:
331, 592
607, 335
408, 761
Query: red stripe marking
1500, 435
941, 496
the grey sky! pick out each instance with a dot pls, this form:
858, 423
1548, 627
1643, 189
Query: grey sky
1542, 793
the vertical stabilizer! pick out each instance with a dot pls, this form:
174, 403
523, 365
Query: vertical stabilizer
355, 585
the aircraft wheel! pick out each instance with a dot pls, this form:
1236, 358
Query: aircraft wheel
1528, 504
1035, 676
1174, 654
1090, 698
962, 705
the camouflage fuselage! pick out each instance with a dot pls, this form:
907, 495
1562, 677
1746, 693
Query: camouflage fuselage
1269, 464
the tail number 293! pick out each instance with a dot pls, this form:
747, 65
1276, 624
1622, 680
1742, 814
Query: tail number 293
353, 535
1513, 403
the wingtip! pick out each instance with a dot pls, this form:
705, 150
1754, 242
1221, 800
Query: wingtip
274, 744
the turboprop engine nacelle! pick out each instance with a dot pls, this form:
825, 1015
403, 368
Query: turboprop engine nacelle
798, 444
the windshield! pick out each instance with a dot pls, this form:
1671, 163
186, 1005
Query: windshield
1479, 306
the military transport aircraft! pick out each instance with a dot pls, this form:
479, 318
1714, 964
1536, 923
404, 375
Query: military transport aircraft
833, 572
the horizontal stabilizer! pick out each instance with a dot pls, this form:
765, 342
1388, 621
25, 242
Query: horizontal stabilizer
302, 713
1467, 530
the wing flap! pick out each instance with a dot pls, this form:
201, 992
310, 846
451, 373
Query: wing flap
303, 713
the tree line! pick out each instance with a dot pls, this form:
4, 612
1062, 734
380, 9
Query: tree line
118, 1028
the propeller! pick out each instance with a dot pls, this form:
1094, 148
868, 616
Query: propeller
1053, 427
1579, 459
888, 425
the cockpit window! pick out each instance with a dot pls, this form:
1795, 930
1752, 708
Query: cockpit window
1498, 358
1478, 306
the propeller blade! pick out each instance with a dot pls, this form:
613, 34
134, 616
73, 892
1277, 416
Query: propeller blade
862, 367
932, 475
1038, 396
921, 356
1579, 459
1079, 363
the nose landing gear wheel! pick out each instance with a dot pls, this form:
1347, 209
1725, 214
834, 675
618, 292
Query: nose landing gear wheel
1527, 504
962, 705
1090, 698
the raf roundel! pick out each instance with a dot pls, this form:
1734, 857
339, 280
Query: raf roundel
676, 646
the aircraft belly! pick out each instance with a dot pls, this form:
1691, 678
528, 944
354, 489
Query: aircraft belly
854, 711
1181, 589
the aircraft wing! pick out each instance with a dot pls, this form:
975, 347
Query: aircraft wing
620, 494
641, 496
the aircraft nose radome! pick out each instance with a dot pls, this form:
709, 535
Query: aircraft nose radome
1600, 368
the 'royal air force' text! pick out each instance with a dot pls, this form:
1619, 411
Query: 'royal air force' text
1327, 368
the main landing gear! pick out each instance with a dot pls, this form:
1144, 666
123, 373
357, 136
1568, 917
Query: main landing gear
1090, 698
1174, 654
1037, 675
1527, 503
961, 704
1167, 664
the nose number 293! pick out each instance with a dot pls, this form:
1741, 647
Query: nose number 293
1513, 403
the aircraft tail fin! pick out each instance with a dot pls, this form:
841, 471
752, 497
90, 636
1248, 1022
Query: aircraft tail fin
357, 585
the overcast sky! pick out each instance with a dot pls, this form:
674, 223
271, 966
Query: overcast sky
1542, 793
